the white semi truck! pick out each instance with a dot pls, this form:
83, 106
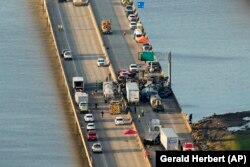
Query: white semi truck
82, 100
132, 93
169, 139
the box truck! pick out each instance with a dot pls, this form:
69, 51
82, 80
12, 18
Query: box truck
132, 93
169, 139
82, 100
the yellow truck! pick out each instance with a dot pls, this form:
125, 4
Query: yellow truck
127, 2
106, 26
115, 107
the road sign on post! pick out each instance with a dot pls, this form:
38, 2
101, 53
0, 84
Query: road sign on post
146, 56
98, 84
140, 4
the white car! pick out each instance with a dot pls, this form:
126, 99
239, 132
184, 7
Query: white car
90, 126
119, 121
89, 118
97, 148
67, 55
132, 25
137, 33
133, 68
100, 62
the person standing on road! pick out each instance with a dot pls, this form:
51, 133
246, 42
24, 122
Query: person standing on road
110, 76
139, 118
95, 105
142, 113
135, 110
102, 113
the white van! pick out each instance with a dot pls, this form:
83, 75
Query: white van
137, 33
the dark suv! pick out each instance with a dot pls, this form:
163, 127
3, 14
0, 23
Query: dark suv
155, 65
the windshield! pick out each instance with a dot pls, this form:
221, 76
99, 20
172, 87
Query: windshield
83, 103
97, 146
92, 133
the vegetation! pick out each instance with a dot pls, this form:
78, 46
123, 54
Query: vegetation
236, 142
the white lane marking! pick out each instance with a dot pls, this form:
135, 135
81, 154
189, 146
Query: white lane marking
133, 146
67, 41
104, 160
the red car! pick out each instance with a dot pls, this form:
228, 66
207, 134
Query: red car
122, 72
188, 146
92, 135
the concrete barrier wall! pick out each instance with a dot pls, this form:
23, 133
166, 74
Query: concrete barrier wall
139, 141
67, 86
111, 69
185, 120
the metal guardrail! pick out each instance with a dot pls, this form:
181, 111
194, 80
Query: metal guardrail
183, 115
67, 86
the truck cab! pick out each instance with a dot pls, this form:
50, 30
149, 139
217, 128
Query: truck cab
156, 103
106, 26
83, 106
82, 101
115, 107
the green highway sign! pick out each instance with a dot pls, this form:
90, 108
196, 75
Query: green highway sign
146, 56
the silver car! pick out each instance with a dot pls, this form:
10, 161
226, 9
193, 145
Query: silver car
100, 62
97, 148
90, 126
67, 55
89, 118
119, 121
132, 25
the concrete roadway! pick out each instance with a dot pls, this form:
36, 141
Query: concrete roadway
80, 37
123, 57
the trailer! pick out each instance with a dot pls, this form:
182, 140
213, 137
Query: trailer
169, 139
108, 90
132, 93
78, 84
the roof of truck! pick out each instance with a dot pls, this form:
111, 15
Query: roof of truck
169, 132
132, 85
77, 78
81, 94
